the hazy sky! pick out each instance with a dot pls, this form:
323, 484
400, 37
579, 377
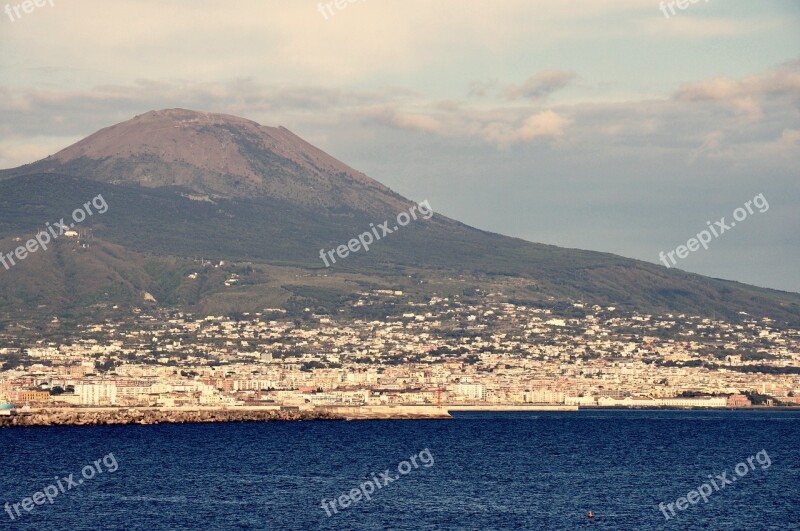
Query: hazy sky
595, 124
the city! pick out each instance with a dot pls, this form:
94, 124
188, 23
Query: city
443, 351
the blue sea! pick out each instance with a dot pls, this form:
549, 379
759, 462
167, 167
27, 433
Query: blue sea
480, 471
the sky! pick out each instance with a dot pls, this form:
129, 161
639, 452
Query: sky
622, 126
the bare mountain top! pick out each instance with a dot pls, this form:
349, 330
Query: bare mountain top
218, 155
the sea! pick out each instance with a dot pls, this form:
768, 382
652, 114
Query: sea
719, 470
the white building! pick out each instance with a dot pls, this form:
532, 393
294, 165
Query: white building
474, 391
580, 401
97, 393
544, 396
700, 401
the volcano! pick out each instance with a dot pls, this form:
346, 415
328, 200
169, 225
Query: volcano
260, 203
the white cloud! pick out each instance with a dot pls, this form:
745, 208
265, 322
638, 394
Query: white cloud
546, 124
745, 96
750, 111
415, 121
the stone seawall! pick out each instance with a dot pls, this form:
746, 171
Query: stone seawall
121, 416
387, 412
96, 417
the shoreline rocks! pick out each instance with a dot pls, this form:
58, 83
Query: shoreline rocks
76, 417
148, 416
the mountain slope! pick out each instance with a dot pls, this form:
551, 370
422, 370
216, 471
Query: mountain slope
183, 185
218, 155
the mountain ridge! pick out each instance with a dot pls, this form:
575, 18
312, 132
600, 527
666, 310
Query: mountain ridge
278, 205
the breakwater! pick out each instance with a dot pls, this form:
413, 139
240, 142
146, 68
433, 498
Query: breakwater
122, 416
114, 416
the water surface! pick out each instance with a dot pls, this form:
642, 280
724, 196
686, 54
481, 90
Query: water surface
490, 470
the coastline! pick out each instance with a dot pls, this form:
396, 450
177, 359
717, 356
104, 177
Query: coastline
112, 416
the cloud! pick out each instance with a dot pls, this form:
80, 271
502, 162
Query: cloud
482, 89
712, 142
499, 127
745, 97
546, 124
18, 150
714, 89
726, 91
752, 111
400, 120
541, 85
782, 147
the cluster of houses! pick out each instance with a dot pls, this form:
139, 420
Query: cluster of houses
443, 350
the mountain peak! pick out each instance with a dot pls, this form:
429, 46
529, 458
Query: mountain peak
187, 115
218, 155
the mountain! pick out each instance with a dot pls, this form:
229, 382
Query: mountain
185, 187
220, 157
